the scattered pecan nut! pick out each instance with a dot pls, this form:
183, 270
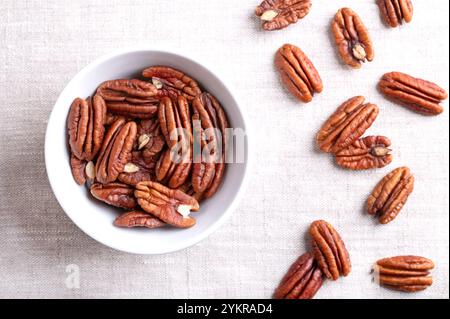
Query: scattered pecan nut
352, 38
85, 127
394, 12
115, 194
141, 170
137, 218
329, 250
171, 82
278, 14
346, 125
115, 151
302, 280
169, 205
366, 153
298, 73
391, 193
150, 139
404, 273
132, 98
421, 96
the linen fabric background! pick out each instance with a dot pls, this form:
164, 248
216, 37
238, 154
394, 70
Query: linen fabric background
43, 44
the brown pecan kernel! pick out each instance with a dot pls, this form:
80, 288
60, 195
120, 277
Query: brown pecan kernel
329, 250
394, 12
116, 151
174, 118
78, 169
365, 153
278, 14
169, 205
150, 139
85, 127
131, 98
419, 95
352, 38
302, 280
171, 172
404, 273
172, 82
138, 218
346, 125
143, 170
298, 73
391, 193
115, 194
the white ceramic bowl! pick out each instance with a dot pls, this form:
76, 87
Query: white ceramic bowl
95, 218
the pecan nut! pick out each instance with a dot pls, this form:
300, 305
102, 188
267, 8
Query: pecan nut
394, 12
169, 205
132, 98
404, 273
302, 280
352, 38
115, 194
143, 170
391, 193
137, 218
78, 169
298, 73
175, 120
172, 172
150, 139
172, 82
278, 14
421, 96
115, 151
85, 127
346, 125
366, 153
329, 250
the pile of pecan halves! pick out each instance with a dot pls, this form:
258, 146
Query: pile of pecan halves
132, 144
342, 136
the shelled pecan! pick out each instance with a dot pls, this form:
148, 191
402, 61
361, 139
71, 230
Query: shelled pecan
302, 280
116, 150
171, 172
150, 139
365, 153
132, 98
419, 95
391, 193
85, 127
169, 205
404, 273
138, 169
78, 169
115, 194
298, 73
137, 218
171, 82
329, 250
278, 14
175, 120
394, 12
346, 125
352, 38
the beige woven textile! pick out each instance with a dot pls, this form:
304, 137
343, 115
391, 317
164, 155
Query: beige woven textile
43, 44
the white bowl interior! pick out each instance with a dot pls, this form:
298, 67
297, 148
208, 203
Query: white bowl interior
95, 218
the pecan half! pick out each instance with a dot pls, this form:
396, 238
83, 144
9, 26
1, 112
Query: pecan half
278, 14
78, 169
298, 73
421, 96
174, 118
137, 218
143, 170
85, 127
169, 205
115, 194
150, 139
302, 280
329, 250
404, 273
172, 82
132, 98
173, 173
391, 193
346, 125
205, 134
394, 12
365, 153
115, 151
352, 38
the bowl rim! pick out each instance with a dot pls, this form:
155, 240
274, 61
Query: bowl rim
248, 163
